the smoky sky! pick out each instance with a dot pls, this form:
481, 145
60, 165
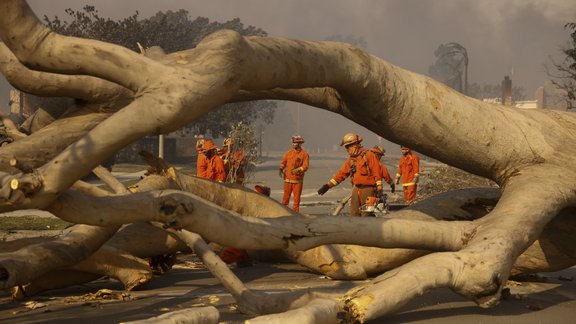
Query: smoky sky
502, 37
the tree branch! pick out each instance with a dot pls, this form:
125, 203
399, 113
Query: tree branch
479, 270
24, 265
58, 85
183, 210
39, 48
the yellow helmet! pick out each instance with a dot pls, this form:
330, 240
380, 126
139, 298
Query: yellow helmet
378, 149
350, 139
297, 139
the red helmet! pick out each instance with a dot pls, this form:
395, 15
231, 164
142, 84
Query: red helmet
378, 149
208, 145
350, 139
297, 139
262, 189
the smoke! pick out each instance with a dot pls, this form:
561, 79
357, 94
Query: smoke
498, 35
498, 12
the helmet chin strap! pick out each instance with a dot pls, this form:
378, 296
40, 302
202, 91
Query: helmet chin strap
356, 152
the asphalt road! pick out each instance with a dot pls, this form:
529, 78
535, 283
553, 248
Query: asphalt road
321, 170
552, 300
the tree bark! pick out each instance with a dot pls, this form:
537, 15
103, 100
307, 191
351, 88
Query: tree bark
528, 153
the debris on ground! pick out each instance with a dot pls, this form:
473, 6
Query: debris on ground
442, 178
101, 295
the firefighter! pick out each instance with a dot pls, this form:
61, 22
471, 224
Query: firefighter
363, 168
215, 170
384, 174
408, 170
292, 168
201, 160
234, 162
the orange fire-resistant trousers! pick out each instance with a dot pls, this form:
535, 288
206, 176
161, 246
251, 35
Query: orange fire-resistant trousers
410, 194
359, 195
292, 189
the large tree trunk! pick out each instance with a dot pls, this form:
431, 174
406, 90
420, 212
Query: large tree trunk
473, 251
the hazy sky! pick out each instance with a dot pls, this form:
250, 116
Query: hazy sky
500, 35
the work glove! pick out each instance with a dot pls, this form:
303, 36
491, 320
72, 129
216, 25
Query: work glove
392, 187
398, 180
379, 192
323, 189
416, 179
281, 173
296, 171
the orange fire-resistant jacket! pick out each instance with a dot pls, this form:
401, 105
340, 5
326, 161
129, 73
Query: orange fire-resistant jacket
297, 160
367, 172
384, 174
202, 166
216, 169
408, 168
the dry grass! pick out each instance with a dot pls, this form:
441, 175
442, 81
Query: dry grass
438, 179
10, 223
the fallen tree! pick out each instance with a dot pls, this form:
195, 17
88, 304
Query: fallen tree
474, 239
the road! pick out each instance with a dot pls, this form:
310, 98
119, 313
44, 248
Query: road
321, 170
551, 300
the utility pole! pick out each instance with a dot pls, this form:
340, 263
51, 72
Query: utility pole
161, 146
261, 135
298, 119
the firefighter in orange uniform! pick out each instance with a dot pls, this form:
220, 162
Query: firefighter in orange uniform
408, 170
292, 168
384, 174
201, 161
215, 170
363, 168
234, 162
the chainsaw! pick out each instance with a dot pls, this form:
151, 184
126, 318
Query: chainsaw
375, 204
